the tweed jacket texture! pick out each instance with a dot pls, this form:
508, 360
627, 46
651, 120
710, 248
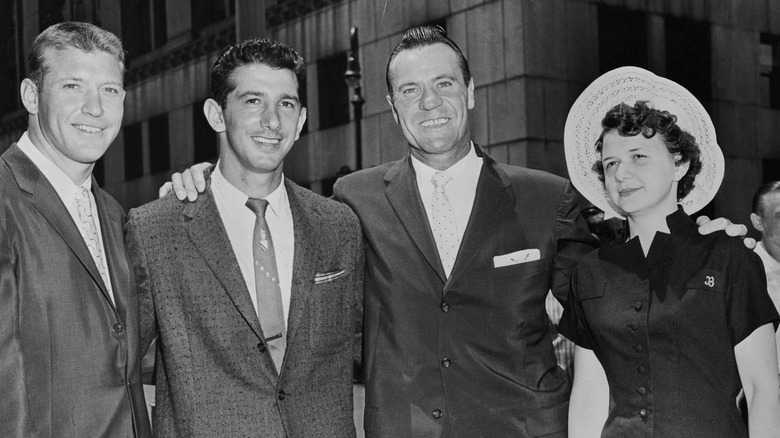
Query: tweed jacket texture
215, 378
469, 355
69, 356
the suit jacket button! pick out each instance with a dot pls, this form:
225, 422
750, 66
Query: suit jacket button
437, 414
444, 307
282, 395
643, 413
446, 363
261, 347
118, 328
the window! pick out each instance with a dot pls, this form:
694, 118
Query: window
205, 13
334, 106
50, 12
771, 168
12, 68
159, 144
770, 68
134, 157
205, 137
688, 55
144, 26
622, 38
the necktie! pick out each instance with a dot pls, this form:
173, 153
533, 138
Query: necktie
445, 230
269, 295
89, 233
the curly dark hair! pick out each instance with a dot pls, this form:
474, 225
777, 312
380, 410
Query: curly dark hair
629, 121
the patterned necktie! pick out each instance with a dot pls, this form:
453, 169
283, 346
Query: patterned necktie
89, 233
445, 230
269, 294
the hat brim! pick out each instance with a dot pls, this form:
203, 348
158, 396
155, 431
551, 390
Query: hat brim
628, 85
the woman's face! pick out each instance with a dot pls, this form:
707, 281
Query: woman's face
640, 174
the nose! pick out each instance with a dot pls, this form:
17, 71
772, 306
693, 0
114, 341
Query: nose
93, 105
430, 99
622, 171
271, 119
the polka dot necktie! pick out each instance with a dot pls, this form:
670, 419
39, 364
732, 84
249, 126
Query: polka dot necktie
445, 230
269, 294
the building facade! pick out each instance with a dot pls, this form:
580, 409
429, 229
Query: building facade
530, 60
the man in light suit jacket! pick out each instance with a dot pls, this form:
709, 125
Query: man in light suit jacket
223, 367
69, 356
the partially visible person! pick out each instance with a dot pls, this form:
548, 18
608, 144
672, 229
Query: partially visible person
669, 325
69, 356
255, 290
766, 220
608, 230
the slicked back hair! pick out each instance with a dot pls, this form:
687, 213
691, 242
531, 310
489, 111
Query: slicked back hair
423, 36
758, 198
253, 51
72, 34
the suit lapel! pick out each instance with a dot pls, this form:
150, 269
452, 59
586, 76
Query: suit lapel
206, 231
493, 200
48, 203
304, 261
111, 228
404, 198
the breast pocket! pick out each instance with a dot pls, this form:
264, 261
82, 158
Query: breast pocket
330, 306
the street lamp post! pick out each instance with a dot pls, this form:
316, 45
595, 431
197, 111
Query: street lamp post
352, 77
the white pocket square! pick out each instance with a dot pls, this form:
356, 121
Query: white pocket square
517, 257
328, 276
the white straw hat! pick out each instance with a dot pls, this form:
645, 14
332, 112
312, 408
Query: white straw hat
628, 85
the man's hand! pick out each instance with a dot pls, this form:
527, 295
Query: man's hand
188, 183
707, 226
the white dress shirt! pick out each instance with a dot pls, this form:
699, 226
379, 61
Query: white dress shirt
772, 268
66, 189
461, 191
239, 223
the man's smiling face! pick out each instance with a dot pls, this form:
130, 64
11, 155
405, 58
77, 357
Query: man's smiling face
79, 105
431, 101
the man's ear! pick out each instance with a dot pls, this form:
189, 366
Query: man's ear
470, 94
29, 93
392, 107
213, 112
301, 121
757, 223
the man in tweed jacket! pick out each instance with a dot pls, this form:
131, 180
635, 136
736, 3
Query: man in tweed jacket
197, 293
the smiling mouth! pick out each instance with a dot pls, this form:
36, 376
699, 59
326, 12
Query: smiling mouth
266, 141
432, 123
88, 129
627, 192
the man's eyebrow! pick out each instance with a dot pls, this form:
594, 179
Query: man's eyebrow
251, 93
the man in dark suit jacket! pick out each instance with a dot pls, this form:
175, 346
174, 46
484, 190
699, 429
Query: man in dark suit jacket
201, 292
69, 356
464, 353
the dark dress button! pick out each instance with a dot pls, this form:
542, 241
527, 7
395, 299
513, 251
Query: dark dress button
446, 363
633, 325
444, 307
261, 347
642, 390
118, 328
638, 348
282, 395
640, 369
643, 413
437, 414
638, 306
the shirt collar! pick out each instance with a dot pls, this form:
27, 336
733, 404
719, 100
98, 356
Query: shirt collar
236, 199
469, 163
56, 176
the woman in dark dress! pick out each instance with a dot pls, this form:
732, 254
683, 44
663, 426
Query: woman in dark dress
670, 325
